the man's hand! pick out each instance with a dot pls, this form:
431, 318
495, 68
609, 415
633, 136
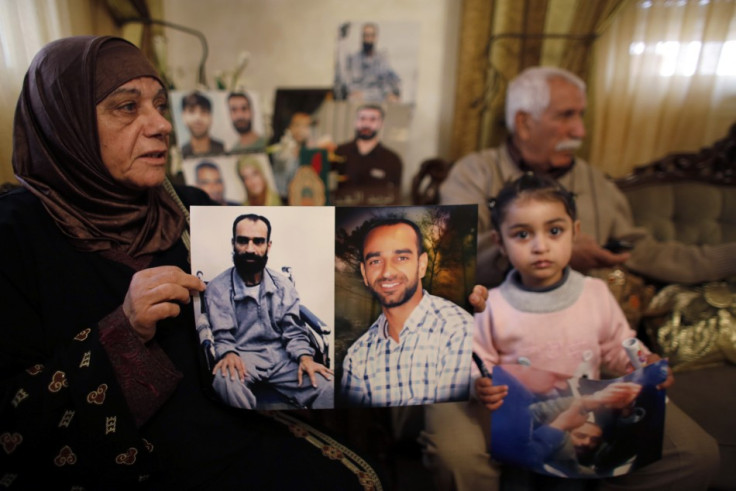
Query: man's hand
155, 294
311, 368
491, 396
231, 364
617, 395
587, 254
572, 417
478, 298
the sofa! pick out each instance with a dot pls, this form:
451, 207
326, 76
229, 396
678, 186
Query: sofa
691, 198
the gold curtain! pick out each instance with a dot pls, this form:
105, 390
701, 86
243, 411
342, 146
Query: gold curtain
664, 81
500, 38
471, 75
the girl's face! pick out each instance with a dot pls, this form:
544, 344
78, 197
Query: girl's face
537, 237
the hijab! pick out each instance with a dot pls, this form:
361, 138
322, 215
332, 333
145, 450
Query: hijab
56, 149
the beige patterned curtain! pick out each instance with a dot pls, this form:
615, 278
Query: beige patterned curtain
499, 38
664, 81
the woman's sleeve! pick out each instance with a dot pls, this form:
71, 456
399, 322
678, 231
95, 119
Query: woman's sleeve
145, 374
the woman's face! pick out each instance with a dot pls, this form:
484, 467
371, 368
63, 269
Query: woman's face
253, 180
537, 236
134, 134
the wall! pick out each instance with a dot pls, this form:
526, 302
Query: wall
292, 45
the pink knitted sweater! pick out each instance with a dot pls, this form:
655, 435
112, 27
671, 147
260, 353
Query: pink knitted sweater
553, 328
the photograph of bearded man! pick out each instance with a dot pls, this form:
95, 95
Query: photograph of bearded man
259, 337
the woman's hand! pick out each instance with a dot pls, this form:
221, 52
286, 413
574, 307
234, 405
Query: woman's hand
155, 294
491, 396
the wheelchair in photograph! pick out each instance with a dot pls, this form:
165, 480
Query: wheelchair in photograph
268, 397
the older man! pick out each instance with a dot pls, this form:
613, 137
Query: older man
544, 114
419, 349
259, 337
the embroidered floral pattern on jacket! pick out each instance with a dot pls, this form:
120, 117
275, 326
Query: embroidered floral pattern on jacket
10, 441
127, 458
65, 457
331, 449
97, 396
82, 336
58, 381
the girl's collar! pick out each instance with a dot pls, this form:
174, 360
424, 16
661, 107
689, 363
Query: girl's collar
516, 278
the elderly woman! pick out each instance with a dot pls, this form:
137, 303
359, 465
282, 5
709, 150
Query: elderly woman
101, 376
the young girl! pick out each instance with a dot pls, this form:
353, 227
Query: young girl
545, 313
553, 318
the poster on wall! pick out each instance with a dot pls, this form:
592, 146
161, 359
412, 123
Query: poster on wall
296, 129
377, 61
309, 184
217, 122
233, 179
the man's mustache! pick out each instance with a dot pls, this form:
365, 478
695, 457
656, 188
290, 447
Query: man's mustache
249, 256
571, 144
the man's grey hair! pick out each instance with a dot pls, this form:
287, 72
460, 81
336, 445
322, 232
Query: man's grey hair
529, 91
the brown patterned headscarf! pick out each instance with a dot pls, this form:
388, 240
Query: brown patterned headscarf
56, 149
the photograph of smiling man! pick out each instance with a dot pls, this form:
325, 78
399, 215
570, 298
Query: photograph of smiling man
403, 331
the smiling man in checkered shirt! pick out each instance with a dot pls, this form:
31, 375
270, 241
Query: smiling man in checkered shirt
418, 351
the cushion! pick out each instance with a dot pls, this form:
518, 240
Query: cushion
689, 212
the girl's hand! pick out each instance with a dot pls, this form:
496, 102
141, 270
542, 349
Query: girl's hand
491, 396
478, 298
654, 358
